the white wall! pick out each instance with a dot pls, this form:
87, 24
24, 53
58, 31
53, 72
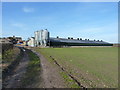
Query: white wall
31, 42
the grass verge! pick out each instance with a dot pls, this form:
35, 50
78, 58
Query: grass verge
9, 56
33, 69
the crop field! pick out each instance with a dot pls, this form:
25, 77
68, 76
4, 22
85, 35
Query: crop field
92, 66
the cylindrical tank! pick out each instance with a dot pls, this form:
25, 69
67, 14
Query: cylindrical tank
36, 37
41, 37
45, 35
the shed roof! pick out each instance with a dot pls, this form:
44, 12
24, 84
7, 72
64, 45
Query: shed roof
76, 41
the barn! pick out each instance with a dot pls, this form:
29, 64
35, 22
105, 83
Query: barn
76, 42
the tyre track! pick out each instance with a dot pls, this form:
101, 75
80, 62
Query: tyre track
71, 76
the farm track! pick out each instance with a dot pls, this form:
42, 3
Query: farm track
71, 76
50, 77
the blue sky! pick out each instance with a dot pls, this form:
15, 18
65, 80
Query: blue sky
93, 20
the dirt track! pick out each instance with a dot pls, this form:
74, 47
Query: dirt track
50, 74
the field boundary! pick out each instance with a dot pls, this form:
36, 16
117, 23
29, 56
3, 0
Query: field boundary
71, 76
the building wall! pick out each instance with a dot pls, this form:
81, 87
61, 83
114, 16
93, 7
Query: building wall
31, 42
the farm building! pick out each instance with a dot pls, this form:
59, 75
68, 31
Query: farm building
42, 38
77, 42
31, 42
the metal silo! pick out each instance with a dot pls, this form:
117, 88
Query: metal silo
36, 38
41, 37
45, 37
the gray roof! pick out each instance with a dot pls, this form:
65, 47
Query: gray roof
76, 41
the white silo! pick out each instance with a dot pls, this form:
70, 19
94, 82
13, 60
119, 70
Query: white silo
36, 38
45, 37
41, 37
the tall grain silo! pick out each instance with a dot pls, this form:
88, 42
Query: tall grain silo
36, 38
41, 37
45, 37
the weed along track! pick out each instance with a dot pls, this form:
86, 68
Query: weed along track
13, 80
71, 76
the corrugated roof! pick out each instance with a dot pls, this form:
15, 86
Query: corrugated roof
76, 41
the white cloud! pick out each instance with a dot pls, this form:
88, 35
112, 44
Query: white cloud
20, 25
28, 10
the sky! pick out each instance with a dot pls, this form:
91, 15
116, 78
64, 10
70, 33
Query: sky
87, 20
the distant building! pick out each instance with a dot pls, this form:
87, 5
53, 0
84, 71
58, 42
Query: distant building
31, 42
14, 39
76, 42
42, 38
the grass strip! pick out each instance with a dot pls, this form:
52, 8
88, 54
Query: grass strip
69, 81
32, 71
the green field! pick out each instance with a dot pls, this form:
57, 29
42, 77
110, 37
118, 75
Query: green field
91, 66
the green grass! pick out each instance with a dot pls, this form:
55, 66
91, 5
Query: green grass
33, 70
92, 66
69, 81
9, 56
